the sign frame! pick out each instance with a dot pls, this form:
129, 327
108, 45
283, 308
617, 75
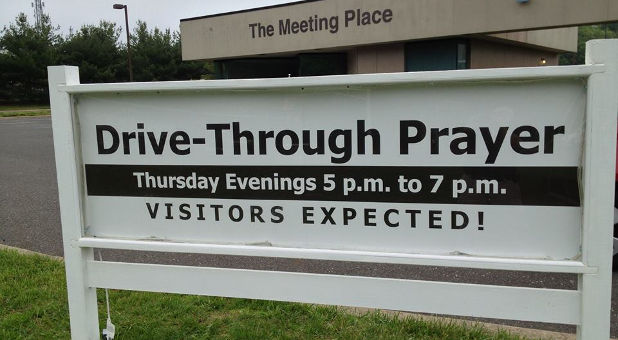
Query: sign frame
587, 307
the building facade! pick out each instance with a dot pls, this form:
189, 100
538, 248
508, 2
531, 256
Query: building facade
326, 37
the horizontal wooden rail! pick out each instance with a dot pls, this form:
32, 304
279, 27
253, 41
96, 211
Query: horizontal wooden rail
461, 261
499, 74
534, 304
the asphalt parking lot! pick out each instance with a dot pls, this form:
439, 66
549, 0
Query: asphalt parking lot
29, 219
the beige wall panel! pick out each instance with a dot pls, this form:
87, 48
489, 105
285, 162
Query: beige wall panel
560, 39
489, 54
229, 35
390, 58
366, 60
352, 61
376, 59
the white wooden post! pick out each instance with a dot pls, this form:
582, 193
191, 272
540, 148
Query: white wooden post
82, 298
598, 178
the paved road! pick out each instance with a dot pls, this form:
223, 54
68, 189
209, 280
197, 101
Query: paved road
29, 219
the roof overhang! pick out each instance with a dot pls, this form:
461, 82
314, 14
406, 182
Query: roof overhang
326, 24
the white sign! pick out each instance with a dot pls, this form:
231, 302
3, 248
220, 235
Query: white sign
496, 169
391, 169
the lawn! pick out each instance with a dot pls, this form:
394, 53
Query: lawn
23, 110
33, 305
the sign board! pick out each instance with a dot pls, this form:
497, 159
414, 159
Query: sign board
492, 169
326, 24
376, 171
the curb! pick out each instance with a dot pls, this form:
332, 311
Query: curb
30, 252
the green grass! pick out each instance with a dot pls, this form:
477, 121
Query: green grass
23, 110
24, 113
33, 305
22, 107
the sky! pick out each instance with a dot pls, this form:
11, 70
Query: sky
159, 13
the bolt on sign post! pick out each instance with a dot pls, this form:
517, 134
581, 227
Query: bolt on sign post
507, 169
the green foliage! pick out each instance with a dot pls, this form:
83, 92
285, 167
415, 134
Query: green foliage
153, 54
33, 305
25, 53
25, 113
157, 56
585, 33
95, 50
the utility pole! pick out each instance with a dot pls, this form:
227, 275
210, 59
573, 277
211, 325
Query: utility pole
38, 11
126, 20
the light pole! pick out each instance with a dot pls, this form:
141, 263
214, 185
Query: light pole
126, 20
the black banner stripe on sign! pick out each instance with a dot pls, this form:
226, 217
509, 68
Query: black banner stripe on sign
534, 186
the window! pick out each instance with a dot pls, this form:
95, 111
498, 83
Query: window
437, 55
322, 64
307, 64
256, 68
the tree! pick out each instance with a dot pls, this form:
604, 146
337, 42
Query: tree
26, 51
190, 69
157, 56
95, 50
585, 33
153, 56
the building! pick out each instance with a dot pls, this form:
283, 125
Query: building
325, 37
